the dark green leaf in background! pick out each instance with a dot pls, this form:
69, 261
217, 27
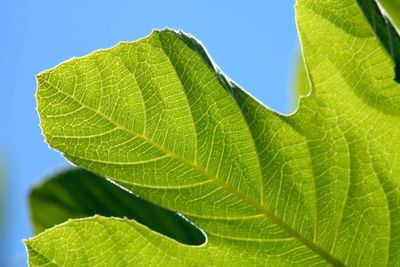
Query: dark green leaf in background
76, 193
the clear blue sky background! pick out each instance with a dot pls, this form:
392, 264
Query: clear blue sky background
254, 42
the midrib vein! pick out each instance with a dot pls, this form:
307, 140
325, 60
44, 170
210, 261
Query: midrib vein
254, 204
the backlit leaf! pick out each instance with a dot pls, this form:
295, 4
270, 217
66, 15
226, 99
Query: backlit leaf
156, 116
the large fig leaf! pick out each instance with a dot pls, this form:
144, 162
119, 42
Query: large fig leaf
157, 117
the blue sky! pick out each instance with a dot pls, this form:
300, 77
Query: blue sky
253, 42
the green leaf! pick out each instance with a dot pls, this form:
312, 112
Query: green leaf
76, 193
393, 8
315, 188
301, 84
384, 29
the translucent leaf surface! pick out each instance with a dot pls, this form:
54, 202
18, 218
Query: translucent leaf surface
315, 188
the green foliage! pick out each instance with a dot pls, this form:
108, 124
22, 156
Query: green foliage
383, 28
301, 84
393, 8
76, 193
385, 31
156, 116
